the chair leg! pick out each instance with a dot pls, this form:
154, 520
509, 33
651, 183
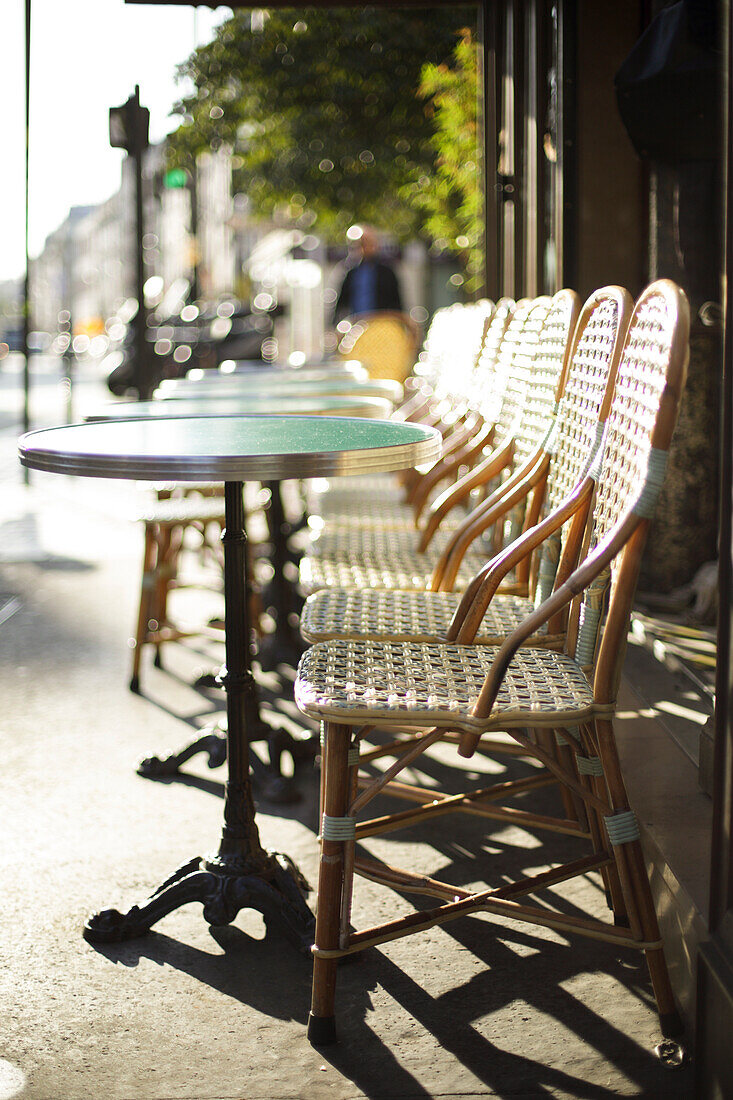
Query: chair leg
609, 874
322, 1020
546, 739
144, 610
171, 544
635, 881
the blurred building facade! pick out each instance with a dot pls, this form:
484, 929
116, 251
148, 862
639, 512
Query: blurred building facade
197, 233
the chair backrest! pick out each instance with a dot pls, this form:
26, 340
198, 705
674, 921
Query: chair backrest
385, 342
639, 427
537, 374
452, 349
582, 410
641, 420
485, 387
545, 371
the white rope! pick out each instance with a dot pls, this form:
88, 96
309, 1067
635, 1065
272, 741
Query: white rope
338, 828
646, 502
622, 827
589, 765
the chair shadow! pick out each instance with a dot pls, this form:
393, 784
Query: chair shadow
538, 977
452, 1021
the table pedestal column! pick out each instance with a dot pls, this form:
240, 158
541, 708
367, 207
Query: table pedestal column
242, 875
282, 645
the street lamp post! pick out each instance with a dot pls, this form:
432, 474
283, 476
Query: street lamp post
128, 129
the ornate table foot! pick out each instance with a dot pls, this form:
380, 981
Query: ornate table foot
211, 741
273, 886
267, 780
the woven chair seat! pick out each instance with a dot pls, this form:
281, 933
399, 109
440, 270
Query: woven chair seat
366, 569
438, 685
381, 514
402, 616
183, 510
384, 515
359, 486
347, 540
360, 501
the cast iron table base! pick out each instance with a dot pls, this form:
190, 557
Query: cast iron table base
283, 646
242, 874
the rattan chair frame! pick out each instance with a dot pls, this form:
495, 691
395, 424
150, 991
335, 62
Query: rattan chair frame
524, 489
626, 490
166, 522
445, 402
529, 330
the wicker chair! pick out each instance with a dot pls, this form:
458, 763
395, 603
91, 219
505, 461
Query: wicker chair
533, 357
166, 522
449, 385
557, 474
473, 690
386, 343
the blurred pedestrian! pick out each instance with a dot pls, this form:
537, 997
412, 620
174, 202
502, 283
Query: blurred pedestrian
369, 283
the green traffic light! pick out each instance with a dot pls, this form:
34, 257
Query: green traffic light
176, 177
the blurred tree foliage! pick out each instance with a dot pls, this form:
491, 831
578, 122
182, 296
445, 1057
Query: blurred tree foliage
321, 108
453, 201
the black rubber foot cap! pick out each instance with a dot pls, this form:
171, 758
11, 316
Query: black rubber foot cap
135, 685
321, 1030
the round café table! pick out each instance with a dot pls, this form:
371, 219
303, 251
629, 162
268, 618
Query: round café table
263, 379
259, 365
240, 385
241, 874
284, 644
278, 375
331, 366
210, 405
323, 372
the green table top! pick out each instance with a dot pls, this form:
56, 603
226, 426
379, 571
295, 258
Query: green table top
317, 363
238, 385
286, 404
324, 373
230, 448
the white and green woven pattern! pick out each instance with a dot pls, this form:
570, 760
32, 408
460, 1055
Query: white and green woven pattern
339, 540
402, 616
382, 515
437, 685
466, 372
392, 547
381, 569
544, 375
514, 363
579, 408
640, 382
183, 510
578, 430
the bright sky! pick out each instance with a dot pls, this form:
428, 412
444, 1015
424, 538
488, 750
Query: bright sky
87, 56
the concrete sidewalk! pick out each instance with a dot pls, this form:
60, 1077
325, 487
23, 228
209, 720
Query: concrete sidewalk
478, 1008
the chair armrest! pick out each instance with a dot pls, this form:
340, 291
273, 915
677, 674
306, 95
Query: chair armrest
561, 597
463, 629
485, 516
